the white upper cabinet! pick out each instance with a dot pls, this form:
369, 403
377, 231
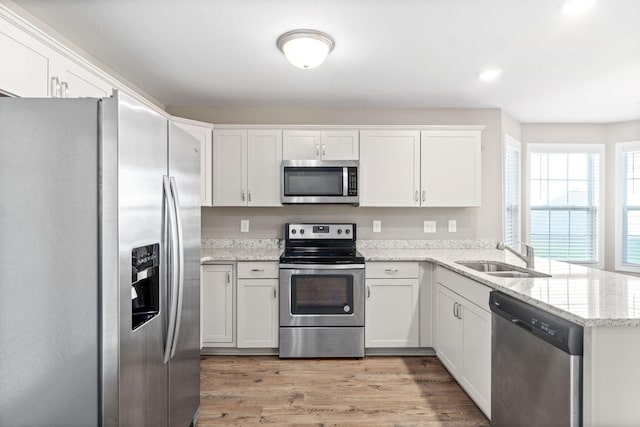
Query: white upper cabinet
32, 68
389, 168
320, 144
203, 133
450, 168
246, 167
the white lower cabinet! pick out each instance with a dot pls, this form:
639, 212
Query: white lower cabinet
258, 320
392, 301
217, 303
463, 334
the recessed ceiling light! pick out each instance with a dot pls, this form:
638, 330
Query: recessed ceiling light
491, 74
576, 7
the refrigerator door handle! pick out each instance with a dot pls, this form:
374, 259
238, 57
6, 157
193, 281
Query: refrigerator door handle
172, 244
176, 205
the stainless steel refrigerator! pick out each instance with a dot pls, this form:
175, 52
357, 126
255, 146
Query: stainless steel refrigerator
99, 265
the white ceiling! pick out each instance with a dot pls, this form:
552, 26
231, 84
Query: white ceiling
402, 53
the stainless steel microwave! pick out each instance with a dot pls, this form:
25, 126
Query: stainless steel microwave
320, 181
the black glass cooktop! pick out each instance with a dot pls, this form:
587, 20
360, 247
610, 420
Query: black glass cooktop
321, 256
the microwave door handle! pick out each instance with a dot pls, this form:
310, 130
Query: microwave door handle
345, 181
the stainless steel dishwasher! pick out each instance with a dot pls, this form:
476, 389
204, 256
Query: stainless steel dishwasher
536, 366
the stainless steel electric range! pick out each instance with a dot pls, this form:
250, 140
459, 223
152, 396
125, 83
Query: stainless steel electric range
321, 292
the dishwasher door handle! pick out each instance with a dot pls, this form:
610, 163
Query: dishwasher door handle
522, 324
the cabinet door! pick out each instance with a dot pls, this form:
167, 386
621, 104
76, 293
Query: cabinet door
203, 133
257, 313
263, 169
76, 81
476, 355
217, 305
26, 63
450, 168
340, 145
448, 329
301, 145
389, 168
229, 167
391, 314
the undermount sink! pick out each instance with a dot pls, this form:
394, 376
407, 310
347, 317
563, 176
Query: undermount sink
500, 269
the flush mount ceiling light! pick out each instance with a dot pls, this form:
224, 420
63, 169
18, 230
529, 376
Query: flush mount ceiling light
305, 48
491, 74
577, 7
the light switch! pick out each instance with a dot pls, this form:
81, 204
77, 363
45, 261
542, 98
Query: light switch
429, 226
452, 226
244, 225
377, 226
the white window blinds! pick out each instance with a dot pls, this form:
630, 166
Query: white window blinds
631, 208
512, 192
565, 192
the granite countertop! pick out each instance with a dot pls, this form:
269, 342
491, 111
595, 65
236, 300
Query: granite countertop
587, 296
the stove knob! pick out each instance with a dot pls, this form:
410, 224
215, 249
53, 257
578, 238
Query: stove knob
293, 231
301, 231
348, 231
339, 230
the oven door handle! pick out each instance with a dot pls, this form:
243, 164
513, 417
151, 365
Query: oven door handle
322, 266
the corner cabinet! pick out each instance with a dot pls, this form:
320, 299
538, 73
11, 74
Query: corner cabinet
203, 133
463, 333
258, 320
392, 301
217, 303
246, 167
439, 167
320, 145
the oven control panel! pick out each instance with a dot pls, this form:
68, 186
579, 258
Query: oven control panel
320, 231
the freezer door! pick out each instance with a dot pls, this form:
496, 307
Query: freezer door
49, 262
184, 365
142, 163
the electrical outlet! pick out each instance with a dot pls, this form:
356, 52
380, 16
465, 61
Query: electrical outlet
429, 226
377, 226
244, 225
452, 226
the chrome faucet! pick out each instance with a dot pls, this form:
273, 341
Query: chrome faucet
527, 256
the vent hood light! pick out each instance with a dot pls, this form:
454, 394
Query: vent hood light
488, 75
305, 48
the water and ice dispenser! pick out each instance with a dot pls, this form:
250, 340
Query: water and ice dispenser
145, 284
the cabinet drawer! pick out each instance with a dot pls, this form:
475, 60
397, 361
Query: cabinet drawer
258, 270
391, 270
473, 291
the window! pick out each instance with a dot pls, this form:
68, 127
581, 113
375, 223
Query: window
628, 206
511, 191
565, 200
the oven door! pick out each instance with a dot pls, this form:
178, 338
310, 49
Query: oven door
321, 296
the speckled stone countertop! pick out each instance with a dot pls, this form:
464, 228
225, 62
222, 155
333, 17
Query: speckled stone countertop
214, 250
587, 296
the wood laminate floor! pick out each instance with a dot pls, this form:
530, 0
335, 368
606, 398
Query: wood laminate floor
374, 391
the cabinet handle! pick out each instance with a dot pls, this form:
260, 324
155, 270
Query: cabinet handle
54, 87
416, 196
64, 90
368, 291
275, 293
390, 270
228, 277
243, 196
249, 195
454, 309
317, 150
257, 270
324, 149
424, 195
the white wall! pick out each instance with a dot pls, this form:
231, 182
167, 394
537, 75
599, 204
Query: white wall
482, 222
607, 134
